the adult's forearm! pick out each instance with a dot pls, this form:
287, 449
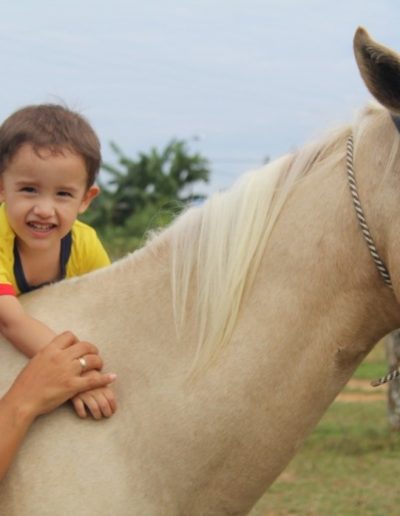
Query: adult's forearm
52, 377
15, 420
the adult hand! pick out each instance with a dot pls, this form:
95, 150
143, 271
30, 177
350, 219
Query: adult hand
54, 375
50, 378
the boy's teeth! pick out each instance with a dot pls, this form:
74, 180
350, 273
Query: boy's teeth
42, 227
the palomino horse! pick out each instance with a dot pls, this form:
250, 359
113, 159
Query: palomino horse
231, 331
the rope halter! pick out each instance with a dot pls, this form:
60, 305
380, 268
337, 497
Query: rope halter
382, 269
361, 217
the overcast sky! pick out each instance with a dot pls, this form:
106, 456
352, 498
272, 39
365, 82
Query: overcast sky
240, 79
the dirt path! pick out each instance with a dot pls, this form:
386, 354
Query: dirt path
362, 391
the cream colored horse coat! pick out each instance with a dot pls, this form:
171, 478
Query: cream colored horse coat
231, 333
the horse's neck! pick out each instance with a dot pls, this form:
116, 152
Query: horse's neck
316, 308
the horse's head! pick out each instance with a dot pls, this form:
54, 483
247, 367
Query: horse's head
377, 149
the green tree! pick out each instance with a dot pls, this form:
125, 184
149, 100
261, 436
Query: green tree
148, 191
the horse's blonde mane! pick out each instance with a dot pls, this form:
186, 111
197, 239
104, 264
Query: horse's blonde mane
216, 248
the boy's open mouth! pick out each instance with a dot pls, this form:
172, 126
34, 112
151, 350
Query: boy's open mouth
37, 226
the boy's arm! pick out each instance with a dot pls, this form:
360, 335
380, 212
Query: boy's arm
30, 336
23, 331
47, 381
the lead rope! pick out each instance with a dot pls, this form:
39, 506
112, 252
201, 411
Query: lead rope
369, 240
384, 379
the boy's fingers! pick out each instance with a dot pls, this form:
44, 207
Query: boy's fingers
93, 407
79, 407
104, 405
108, 393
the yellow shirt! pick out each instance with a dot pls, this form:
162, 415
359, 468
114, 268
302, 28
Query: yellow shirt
81, 252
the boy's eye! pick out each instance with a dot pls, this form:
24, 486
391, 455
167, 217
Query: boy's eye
64, 194
28, 189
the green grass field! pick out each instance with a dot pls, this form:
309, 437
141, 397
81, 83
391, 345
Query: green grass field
350, 464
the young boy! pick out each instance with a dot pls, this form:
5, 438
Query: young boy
49, 160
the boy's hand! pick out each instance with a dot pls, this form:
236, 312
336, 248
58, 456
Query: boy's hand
98, 402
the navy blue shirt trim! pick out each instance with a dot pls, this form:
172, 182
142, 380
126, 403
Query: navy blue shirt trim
65, 253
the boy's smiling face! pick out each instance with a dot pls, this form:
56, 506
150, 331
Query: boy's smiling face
43, 195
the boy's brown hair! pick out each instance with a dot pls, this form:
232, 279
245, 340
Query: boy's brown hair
53, 127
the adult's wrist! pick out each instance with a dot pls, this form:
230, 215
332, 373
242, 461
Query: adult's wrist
21, 412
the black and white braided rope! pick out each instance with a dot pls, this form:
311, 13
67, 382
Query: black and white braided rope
388, 378
361, 217
370, 242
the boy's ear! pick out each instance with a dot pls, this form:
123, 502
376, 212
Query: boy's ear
91, 193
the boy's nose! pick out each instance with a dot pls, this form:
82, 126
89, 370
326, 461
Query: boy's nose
43, 209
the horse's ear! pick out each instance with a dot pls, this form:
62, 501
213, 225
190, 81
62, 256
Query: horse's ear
380, 69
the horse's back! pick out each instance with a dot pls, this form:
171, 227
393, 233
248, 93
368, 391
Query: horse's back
70, 466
